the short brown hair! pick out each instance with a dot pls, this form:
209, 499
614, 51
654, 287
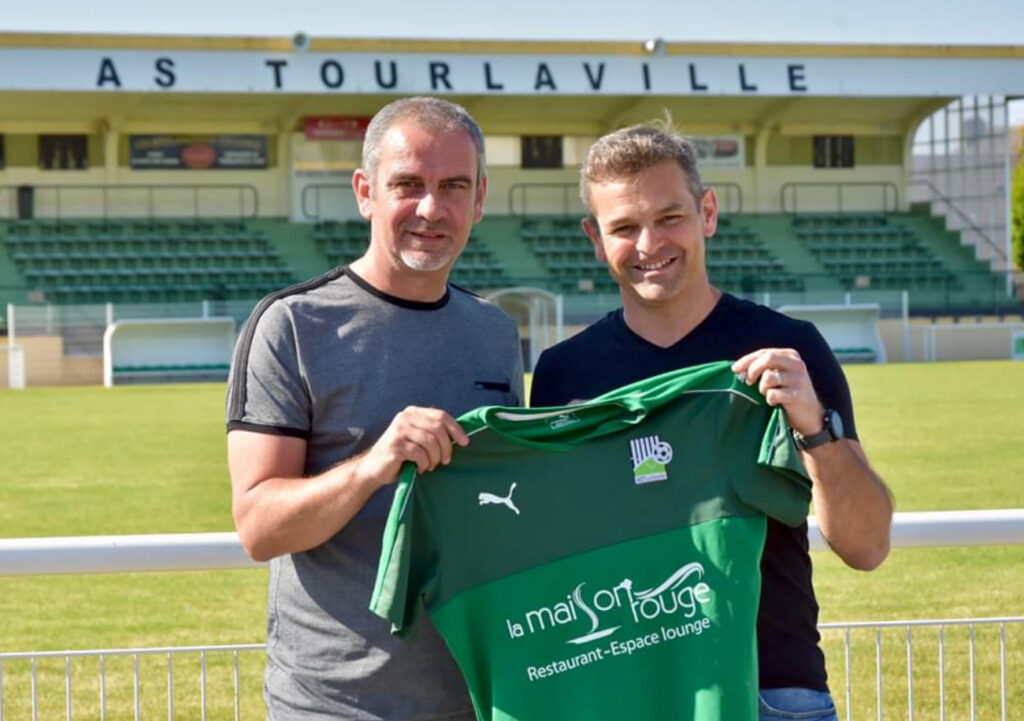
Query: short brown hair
630, 151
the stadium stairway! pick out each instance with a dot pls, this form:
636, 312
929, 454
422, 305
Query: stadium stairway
296, 245
776, 233
502, 235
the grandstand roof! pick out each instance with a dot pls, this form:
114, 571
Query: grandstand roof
982, 22
298, 64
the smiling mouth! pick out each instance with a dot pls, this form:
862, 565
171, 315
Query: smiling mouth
427, 234
655, 266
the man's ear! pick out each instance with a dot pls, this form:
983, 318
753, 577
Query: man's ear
594, 233
709, 212
481, 196
363, 188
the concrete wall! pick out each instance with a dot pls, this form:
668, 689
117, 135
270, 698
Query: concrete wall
964, 341
271, 186
960, 342
46, 364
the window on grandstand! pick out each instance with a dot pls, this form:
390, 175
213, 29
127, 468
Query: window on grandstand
542, 151
63, 152
833, 151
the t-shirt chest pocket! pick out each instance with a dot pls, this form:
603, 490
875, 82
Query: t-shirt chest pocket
495, 393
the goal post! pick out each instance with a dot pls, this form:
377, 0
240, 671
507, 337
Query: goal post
16, 376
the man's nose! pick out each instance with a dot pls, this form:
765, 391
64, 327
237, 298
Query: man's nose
646, 240
429, 207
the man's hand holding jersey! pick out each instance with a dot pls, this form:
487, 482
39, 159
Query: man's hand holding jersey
782, 378
851, 503
424, 436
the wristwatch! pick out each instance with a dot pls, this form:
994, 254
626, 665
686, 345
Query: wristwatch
832, 431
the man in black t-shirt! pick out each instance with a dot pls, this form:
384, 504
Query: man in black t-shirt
649, 218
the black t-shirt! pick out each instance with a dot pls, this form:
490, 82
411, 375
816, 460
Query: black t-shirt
608, 355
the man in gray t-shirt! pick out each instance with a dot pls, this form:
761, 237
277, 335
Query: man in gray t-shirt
336, 383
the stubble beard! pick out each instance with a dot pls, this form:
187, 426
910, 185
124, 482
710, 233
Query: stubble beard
425, 261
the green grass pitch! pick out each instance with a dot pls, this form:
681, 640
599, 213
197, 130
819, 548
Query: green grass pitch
150, 459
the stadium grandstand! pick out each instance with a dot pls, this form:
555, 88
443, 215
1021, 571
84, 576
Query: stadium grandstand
168, 176
153, 187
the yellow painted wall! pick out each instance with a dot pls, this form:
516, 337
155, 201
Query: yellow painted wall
867, 150
271, 185
22, 150
824, 198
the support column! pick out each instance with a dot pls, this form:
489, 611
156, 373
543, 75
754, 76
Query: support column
285, 174
111, 145
761, 201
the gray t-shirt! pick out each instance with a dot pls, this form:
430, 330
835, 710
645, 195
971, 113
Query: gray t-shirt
333, 360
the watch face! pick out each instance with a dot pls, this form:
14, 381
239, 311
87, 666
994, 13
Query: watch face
834, 422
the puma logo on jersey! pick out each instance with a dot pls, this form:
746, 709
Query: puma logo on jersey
650, 457
489, 498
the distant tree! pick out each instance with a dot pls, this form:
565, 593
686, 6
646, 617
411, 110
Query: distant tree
1017, 213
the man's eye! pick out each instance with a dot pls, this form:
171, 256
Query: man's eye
673, 219
406, 186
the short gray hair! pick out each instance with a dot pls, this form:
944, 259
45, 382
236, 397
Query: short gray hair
427, 113
630, 151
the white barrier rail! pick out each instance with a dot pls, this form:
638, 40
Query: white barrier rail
122, 554
894, 669
209, 551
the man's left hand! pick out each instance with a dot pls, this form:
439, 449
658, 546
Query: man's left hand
781, 376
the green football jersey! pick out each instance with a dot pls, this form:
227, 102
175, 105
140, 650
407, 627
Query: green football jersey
601, 560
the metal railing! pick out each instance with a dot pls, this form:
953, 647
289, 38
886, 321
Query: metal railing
105, 702
94, 201
908, 669
730, 197
563, 198
789, 195
953, 208
928, 688
314, 191
556, 199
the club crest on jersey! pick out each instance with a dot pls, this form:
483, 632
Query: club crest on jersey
650, 456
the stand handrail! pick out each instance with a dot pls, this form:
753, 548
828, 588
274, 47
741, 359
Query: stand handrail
959, 213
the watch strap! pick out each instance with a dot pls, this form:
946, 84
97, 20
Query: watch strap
814, 440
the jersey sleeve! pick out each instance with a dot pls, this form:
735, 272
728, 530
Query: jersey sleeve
267, 392
408, 560
783, 490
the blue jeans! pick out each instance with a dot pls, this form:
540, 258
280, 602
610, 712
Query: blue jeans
796, 703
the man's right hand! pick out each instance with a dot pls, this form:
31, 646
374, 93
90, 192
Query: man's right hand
278, 510
421, 435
